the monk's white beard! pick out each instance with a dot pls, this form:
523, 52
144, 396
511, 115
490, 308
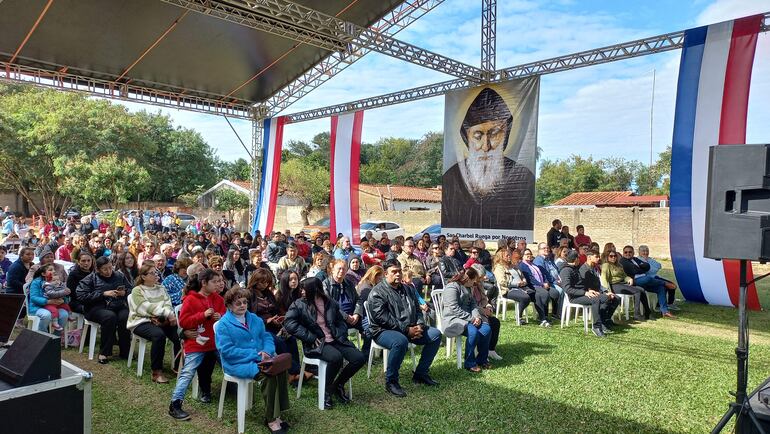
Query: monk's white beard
484, 170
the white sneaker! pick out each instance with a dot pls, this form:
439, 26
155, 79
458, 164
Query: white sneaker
494, 356
545, 323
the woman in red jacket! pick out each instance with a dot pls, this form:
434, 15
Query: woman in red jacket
201, 308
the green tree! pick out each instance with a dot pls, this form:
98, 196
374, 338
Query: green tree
43, 130
105, 180
238, 170
655, 179
180, 161
561, 178
308, 183
228, 200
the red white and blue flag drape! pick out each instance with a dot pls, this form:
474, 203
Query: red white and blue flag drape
345, 158
272, 145
711, 109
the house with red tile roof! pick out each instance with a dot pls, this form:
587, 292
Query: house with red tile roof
598, 199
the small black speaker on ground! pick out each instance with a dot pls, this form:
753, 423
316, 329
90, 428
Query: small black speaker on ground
34, 357
738, 203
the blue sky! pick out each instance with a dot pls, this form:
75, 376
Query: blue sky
599, 111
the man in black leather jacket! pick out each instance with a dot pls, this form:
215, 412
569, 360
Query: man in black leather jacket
395, 320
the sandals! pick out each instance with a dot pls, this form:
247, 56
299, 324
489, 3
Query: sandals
474, 369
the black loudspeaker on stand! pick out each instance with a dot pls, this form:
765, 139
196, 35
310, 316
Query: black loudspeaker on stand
738, 227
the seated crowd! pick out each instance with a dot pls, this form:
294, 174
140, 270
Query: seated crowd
249, 302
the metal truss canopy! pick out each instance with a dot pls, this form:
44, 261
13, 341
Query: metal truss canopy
125, 92
612, 53
309, 26
395, 21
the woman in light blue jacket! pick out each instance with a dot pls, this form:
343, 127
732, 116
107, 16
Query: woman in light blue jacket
43, 307
243, 343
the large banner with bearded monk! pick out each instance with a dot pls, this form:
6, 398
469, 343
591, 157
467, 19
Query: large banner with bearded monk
490, 140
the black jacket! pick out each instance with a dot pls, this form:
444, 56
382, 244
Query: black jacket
590, 279
73, 280
333, 290
552, 237
393, 308
485, 259
301, 323
275, 251
571, 281
634, 266
91, 291
449, 267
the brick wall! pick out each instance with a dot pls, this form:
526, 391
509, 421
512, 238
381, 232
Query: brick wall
621, 226
618, 225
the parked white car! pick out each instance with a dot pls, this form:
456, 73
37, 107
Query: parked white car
379, 227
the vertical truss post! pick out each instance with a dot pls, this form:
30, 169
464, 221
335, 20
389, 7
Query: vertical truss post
257, 116
488, 36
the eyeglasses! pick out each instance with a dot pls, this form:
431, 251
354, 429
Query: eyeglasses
240, 303
612, 256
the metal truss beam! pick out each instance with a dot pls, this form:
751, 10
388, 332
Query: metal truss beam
267, 23
302, 24
626, 50
414, 94
127, 92
488, 34
392, 23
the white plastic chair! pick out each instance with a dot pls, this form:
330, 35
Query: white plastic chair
245, 395
566, 311
652, 301
33, 321
625, 305
321, 380
91, 338
140, 356
376, 346
502, 304
438, 303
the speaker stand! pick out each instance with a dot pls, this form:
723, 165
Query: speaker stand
740, 408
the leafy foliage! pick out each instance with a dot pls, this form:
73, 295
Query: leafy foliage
302, 180
229, 200
107, 179
238, 170
560, 178
54, 141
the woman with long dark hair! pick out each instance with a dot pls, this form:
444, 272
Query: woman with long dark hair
234, 268
316, 320
84, 265
461, 316
264, 304
126, 264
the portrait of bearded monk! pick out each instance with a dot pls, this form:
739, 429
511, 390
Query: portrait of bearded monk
489, 190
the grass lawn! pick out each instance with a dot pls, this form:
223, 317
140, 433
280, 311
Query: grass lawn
654, 377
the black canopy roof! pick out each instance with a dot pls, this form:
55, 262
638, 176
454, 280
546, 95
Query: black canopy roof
201, 55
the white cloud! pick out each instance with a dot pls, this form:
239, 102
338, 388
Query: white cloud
723, 10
